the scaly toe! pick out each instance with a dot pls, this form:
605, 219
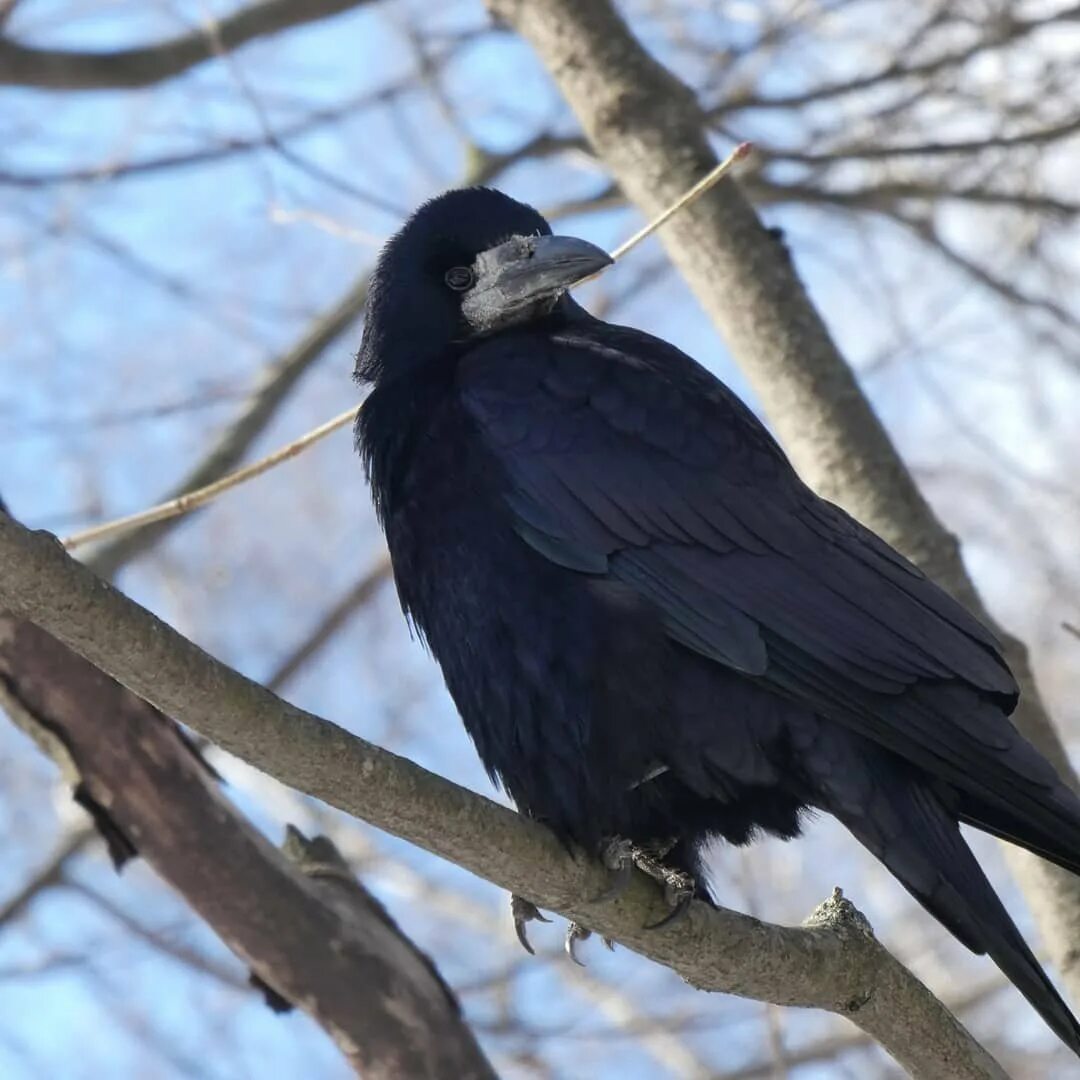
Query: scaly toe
679, 887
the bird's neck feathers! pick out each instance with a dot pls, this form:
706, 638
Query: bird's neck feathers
396, 415
411, 385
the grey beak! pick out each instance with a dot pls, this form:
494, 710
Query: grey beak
526, 271
554, 264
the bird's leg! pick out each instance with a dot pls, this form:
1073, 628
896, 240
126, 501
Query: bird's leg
525, 912
679, 886
621, 855
618, 856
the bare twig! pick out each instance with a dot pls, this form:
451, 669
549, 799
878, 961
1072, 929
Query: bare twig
48, 874
59, 69
898, 69
709, 180
192, 500
234, 441
355, 597
191, 958
226, 147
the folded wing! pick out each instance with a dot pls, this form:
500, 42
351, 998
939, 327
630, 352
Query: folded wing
626, 458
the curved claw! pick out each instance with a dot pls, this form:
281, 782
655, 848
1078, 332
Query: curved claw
523, 936
525, 912
575, 933
682, 906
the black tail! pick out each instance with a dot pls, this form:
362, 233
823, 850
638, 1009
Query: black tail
906, 826
1060, 844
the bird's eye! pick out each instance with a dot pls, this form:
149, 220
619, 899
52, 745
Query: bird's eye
460, 278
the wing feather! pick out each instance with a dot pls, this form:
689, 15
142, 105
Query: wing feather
623, 457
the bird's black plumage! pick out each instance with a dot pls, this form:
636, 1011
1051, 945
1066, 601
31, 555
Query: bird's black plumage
650, 626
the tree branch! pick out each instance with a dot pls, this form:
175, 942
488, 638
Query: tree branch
833, 964
871, 152
828, 1048
60, 69
648, 128
305, 926
228, 146
998, 32
51, 872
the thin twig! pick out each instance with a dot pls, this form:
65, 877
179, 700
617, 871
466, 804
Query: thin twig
709, 180
190, 500
50, 873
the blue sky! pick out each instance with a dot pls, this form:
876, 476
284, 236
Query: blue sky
123, 296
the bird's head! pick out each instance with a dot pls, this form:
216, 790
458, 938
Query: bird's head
467, 264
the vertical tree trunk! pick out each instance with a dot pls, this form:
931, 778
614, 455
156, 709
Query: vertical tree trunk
649, 131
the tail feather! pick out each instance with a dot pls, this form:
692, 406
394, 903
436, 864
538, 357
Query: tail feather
903, 822
1060, 845
969, 893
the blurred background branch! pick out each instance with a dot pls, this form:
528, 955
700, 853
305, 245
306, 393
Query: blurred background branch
313, 936
57, 69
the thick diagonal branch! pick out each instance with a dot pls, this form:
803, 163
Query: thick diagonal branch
833, 965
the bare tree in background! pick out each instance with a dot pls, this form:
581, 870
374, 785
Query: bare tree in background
190, 205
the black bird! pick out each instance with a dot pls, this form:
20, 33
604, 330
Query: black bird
654, 632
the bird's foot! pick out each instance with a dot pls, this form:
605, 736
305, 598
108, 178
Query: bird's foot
618, 856
525, 912
621, 856
679, 886
679, 889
